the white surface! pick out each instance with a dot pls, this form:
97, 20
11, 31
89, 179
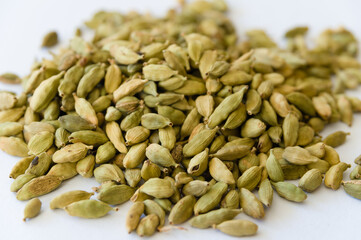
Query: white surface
326, 214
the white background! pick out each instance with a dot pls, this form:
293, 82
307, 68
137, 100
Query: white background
326, 214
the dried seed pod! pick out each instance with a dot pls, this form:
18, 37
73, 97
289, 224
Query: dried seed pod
290, 128
71, 153
265, 192
264, 143
133, 216
150, 170
253, 102
199, 142
31, 116
220, 172
250, 178
12, 115
334, 175
164, 99
133, 176
89, 80
345, 109
157, 72
20, 167
173, 61
115, 135
206, 62
253, 128
182, 210
199, 163
322, 107
213, 217
353, 188
265, 89
45, 93
32, 209
200, 127
317, 150
211, 199
238, 228
280, 104
61, 137
331, 156
14, 146
85, 166
217, 143
191, 121
38, 186
336, 139
88, 209
249, 161
275, 133
192, 88
274, 169
182, 178
231, 200
128, 88
154, 121
225, 108
50, 39
167, 137
317, 124
135, 155
10, 78
8, 129
158, 188
236, 118
116, 194
124, 55
320, 165
233, 78
160, 155
148, 225
109, 172
20, 181
289, 191
205, 106
196, 188
40, 143
302, 102
63, 170
7, 100
67, 198
298, 156
311, 180
164, 203
235, 149
356, 173
250, 204
105, 152
173, 83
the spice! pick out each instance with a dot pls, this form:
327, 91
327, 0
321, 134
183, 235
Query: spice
175, 115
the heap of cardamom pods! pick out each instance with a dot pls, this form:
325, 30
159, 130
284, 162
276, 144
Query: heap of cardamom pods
178, 116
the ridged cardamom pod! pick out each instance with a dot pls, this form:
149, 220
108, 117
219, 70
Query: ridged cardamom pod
238, 228
88, 209
213, 217
67, 198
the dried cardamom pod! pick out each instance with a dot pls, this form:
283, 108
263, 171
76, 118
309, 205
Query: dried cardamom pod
32, 208
88, 209
238, 228
65, 199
